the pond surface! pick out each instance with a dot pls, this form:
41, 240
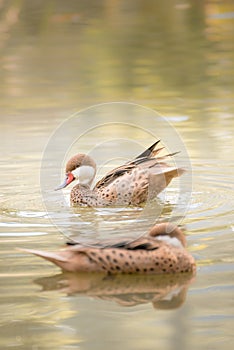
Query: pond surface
58, 58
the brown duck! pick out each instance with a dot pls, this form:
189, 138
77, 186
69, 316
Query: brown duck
161, 251
133, 183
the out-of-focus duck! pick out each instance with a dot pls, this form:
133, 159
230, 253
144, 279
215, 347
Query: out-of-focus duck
161, 251
133, 183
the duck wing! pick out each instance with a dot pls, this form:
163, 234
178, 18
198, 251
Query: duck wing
128, 243
149, 151
143, 161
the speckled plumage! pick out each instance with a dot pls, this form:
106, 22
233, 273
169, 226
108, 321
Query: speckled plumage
133, 183
145, 255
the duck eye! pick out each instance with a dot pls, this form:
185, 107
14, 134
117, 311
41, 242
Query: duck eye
70, 177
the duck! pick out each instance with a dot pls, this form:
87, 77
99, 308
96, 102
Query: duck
133, 183
160, 251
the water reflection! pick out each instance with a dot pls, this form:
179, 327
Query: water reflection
58, 57
133, 51
88, 223
164, 292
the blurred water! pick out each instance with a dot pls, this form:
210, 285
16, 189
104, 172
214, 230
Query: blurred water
57, 58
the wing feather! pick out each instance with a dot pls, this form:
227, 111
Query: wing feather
147, 156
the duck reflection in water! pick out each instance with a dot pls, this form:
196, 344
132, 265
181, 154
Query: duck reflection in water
163, 291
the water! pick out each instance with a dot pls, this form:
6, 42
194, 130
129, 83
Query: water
56, 59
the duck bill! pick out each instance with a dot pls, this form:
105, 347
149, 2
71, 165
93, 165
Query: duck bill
69, 178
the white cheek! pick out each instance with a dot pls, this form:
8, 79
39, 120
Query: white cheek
171, 240
84, 174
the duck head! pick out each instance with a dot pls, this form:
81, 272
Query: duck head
169, 233
80, 167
